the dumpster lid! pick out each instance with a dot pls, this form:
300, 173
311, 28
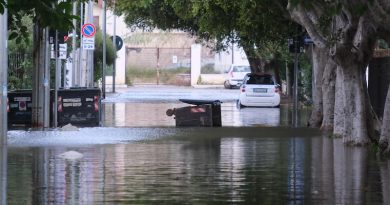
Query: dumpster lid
200, 102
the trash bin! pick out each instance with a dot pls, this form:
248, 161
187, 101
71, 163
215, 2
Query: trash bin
78, 106
204, 113
19, 106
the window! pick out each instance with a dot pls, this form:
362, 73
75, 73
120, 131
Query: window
241, 69
260, 79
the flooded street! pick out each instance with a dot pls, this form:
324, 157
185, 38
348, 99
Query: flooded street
140, 157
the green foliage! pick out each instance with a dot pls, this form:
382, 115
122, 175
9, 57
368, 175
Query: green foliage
47, 13
249, 23
305, 83
20, 64
98, 54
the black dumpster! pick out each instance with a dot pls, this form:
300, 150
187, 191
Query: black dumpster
205, 113
19, 108
78, 106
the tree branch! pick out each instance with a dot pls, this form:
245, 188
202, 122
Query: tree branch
301, 16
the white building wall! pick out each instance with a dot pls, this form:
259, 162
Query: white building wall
226, 58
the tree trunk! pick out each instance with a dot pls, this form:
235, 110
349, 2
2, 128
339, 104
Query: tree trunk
355, 127
385, 131
41, 79
319, 58
255, 62
273, 68
338, 125
328, 94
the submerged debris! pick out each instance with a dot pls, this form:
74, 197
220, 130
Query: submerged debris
69, 127
71, 155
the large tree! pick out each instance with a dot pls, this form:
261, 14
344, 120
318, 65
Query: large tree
348, 30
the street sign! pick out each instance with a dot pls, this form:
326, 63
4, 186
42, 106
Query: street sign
88, 30
307, 40
62, 51
89, 46
118, 42
89, 43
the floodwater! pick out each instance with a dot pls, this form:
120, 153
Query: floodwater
140, 157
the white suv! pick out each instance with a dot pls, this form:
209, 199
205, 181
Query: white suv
235, 75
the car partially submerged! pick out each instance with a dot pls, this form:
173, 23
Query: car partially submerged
259, 90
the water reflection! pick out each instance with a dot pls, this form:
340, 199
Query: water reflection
152, 114
3, 172
256, 165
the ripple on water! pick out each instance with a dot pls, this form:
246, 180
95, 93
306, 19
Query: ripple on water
85, 136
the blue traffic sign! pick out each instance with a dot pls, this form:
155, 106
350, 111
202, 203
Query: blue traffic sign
88, 30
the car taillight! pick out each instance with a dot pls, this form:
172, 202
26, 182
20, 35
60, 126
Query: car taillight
7, 105
59, 104
96, 102
242, 89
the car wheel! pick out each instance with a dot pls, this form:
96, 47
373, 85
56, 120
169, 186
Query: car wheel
227, 85
239, 105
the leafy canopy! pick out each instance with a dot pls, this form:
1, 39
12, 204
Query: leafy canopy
250, 23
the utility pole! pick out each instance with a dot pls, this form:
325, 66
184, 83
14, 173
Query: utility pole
90, 52
74, 21
295, 91
115, 49
3, 106
158, 65
104, 50
3, 76
56, 73
80, 70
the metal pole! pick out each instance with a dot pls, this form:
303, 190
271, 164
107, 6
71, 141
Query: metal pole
46, 84
56, 80
115, 48
295, 110
3, 76
88, 53
232, 53
158, 66
3, 106
81, 46
104, 51
74, 21
288, 88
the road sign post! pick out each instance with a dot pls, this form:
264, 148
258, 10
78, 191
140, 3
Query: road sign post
88, 31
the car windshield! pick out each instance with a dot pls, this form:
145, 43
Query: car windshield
241, 69
260, 79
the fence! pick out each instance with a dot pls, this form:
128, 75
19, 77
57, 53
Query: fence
19, 70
